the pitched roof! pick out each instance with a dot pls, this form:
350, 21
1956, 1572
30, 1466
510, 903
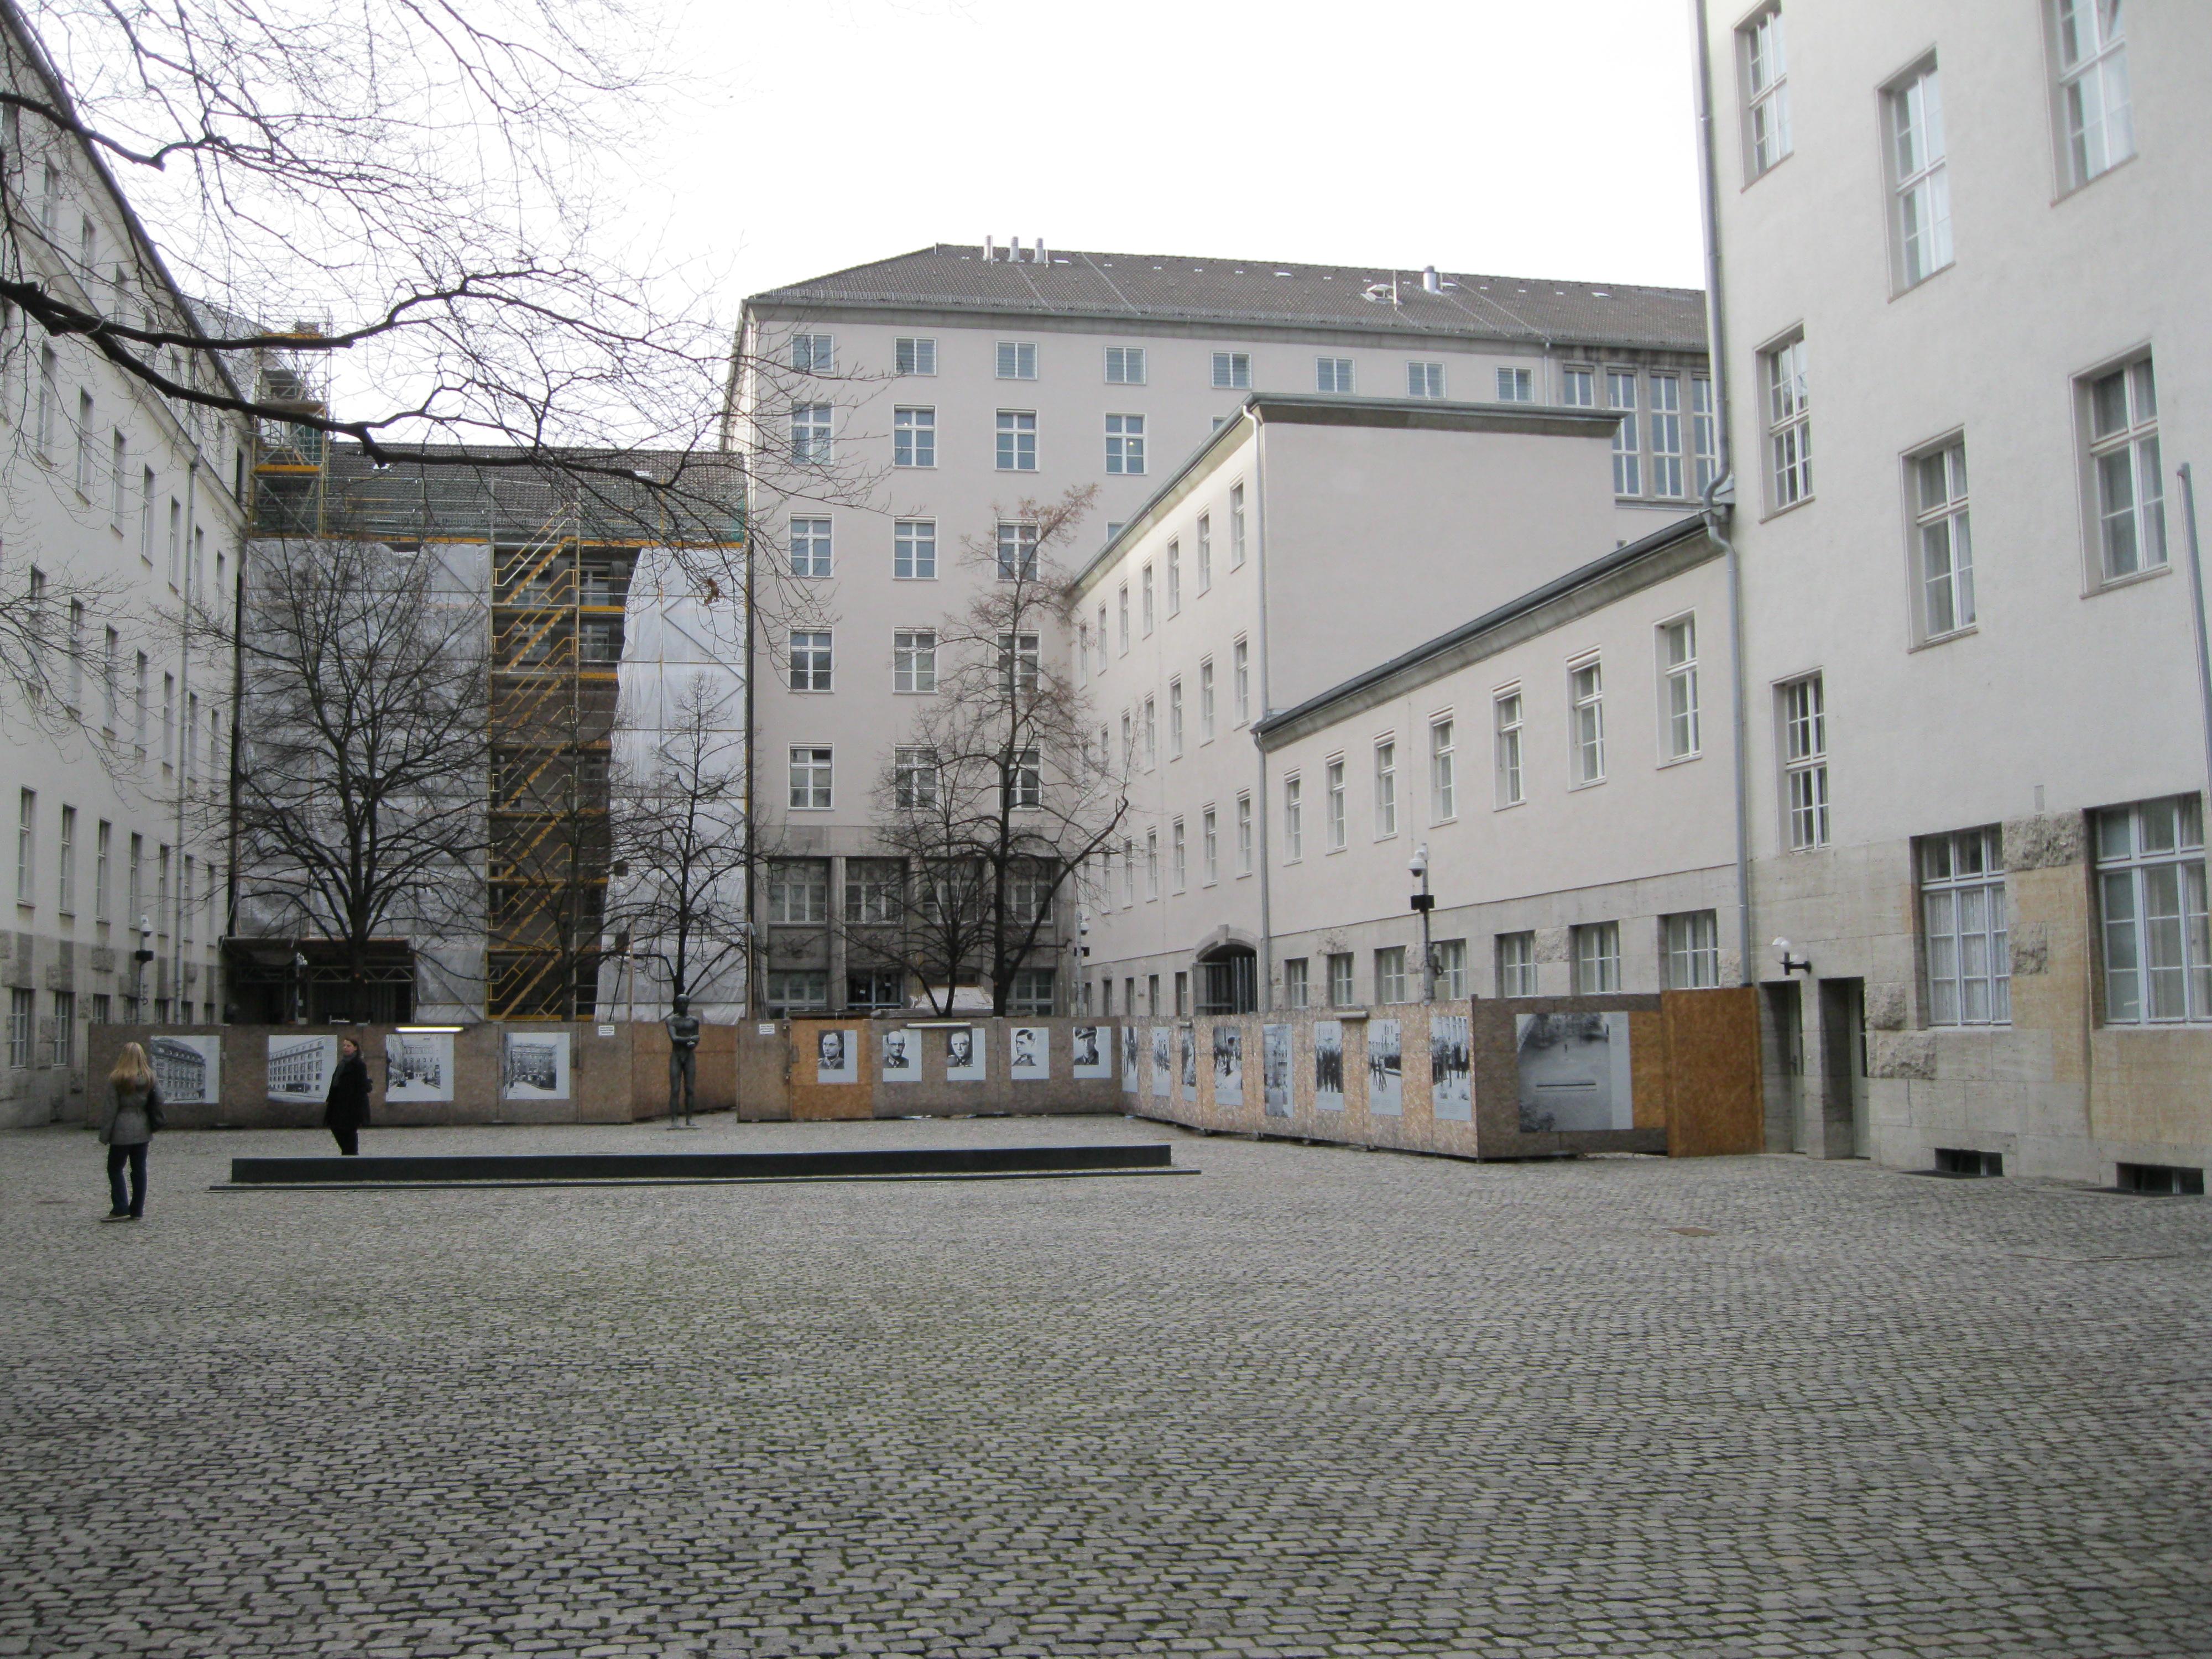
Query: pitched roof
1176, 287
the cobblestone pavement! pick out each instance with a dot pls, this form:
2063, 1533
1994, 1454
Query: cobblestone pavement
1312, 1401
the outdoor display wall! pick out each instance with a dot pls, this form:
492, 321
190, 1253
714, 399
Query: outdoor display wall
860, 1068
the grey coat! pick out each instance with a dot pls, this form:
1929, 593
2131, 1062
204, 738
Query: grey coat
131, 1115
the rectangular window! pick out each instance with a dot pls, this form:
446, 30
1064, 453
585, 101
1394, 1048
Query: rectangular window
914, 779
1245, 835
1424, 379
1678, 689
810, 661
1031, 993
1209, 845
1944, 548
1177, 864
138, 707
1145, 585
1296, 993
1390, 974
76, 652
63, 1040
1597, 959
913, 437
1444, 772
875, 987
1232, 370
1122, 599
1102, 637
810, 778
1386, 789
914, 550
1805, 763
1516, 386
1294, 821
2151, 902
1241, 672
1506, 718
168, 717
792, 988
1704, 438
1175, 719
1017, 551
134, 890
103, 839
1586, 693
1151, 865
1125, 365
23, 1021
1205, 551
1788, 426
1125, 444
1964, 929
2095, 110
27, 848
1018, 359
2123, 452
1332, 802
914, 357
66, 882
176, 543
1017, 443
147, 487
798, 890
49, 401
1205, 700
1689, 946
84, 444
1666, 427
1174, 579
111, 670
103, 1008
1920, 186
1451, 970
1333, 374
1627, 445
814, 354
1024, 783
1236, 527
1151, 734
1128, 875
810, 547
809, 435
914, 659
1020, 663
1765, 91
1339, 979
1578, 388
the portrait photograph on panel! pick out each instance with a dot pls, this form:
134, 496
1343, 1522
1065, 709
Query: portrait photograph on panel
1029, 1053
837, 1055
1187, 1064
964, 1055
1328, 1065
901, 1056
1093, 1049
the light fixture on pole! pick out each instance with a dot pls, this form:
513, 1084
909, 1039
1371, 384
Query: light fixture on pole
1791, 965
1424, 902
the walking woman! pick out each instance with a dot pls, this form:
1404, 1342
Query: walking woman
127, 1122
346, 1113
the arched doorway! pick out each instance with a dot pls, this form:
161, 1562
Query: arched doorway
1229, 979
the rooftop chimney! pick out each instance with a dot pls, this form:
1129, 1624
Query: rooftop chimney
1430, 282
1041, 260
990, 249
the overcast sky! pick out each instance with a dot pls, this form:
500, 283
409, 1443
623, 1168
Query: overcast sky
1551, 140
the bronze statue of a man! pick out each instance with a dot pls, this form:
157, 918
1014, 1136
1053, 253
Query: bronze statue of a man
682, 1060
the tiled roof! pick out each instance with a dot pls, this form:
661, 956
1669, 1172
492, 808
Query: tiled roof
1166, 288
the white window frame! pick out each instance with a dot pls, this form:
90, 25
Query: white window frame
1681, 735
1764, 69
1705, 434
1690, 950
1802, 705
1450, 956
1175, 577
1664, 428
1919, 181
1125, 365
1342, 987
1205, 700
814, 354
1151, 733
1593, 947
1243, 833
1236, 525
1623, 396
1015, 360
2126, 455
1444, 768
1017, 551
1178, 858
1425, 378
1386, 788
1787, 400
1294, 819
1508, 727
914, 436
1942, 549
1391, 979
1586, 714
1174, 718
1151, 866
1241, 672
819, 767
1964, 932
816, 537
1125, 446
812, 660
914, 355
1233, 371
1202, 540
2093, 110
2151, 912
1335, 825
914, 774
1332, 374
1015, 442
813, 442
913, 661
1147, 602
914, 550
1516, 386
1209, 845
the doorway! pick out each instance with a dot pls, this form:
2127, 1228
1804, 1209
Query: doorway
1849, 1132
1785, 1065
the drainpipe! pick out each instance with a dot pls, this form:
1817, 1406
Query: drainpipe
1711, 506
2197, 610
190, 575
1259, 813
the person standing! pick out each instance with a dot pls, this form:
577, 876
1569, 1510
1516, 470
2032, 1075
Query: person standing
127, 1122
346, 1113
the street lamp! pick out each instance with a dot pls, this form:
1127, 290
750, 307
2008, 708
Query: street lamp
1424, 901
142, 955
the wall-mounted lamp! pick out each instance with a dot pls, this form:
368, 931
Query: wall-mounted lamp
1792, 964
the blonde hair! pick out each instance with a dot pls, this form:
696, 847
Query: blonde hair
131, 1071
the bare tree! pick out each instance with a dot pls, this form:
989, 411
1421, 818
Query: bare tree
996, 797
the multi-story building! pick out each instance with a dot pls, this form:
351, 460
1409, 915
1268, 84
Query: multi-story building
902, 411
122, 513
1965, 356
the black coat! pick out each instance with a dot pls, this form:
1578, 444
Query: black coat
348, 1106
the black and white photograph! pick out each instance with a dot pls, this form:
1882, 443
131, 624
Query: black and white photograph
1328, 1065
1030, 1053
837, 1055
901, 1056
1187, 1065
1093, 1052
1385, 1067
418, 1065
1132, 1071
1275, 1069
1228, 1066
1163, 1063
300, 1067
1451, 1076
1574, 1072
188, 1070
536, 1066
964, 1055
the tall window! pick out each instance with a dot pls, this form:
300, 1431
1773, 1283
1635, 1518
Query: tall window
1805, 763
2124, 451
1333, 374
22, 1023
1424, 379
809, 435
814, 354
1766, 90
84, 444
1297, 993
914, 550
810, 661
1151, 734
1205, 700
77, 653
2092, 88
1129, 880
27, 867
1597, 959
1946, 547
1232, 370
1451, 968
1444, 772
1920, 187
1017, 551
810, 778
111, 670
1016, 450
176, 543
1125, 444
1145, 586
1627, 445
1245, 835
914, 357
1294, 822
1018, 359
1704, 438
1788, 426
1176, 864
1678, 677
1174, 579
1124, 618
1125, 365
1963, 928
1332, 788
1020, 663
1175, 719
1516, 386
1236, 527
1151, 865
49, 400
914, 659
810, 547
1665, 435
1209, 845
65, 882
1386, 789
913, 437
1025, 780
1586, 692
1241, 670
1205, 545
1339, 979
1505, 718
1390, 974
1578, 388
1689, 947
2150, 890
147, 487
798, 890
103, 839
134, 882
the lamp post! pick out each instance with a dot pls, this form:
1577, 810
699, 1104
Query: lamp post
1424, 902
142, 955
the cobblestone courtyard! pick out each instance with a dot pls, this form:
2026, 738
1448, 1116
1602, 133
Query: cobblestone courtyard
1310, 1401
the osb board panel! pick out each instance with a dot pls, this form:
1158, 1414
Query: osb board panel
717, 1068
814, 1101
1647, 1069
1716, 1107
1498, 1079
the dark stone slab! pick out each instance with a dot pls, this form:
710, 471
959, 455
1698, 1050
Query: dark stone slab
697, 1166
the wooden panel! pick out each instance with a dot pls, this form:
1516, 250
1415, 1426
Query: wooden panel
812, 1101
1714, 1104
1648, 1067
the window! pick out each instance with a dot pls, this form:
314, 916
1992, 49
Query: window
27, 867
1294, 826
1128, 876
913, 437
914, 659
21, 1022
1964, 929
1689, 948
1296, 993
814, 354
809, 435
1209, 846
1125, 365
1788, 427
1333, 374
1123, 599
1024, 781
1680, 738
134, 890
914, 357
1704, 438
1390, 974
176, 542
2096, 112
810, 778
138, 707
1181, 993
1516, 386
792, 989
1920, 187
810, 661
1125, 444
1945, 551
49, 398
1232, 370
1444, 772
798, 890
1205, 551
76, 644
1597, 959
65, 883
1424, 379
810, 547
1240, 671
1129, 742
168, 716
1102, 637
1333, 794
1031, 992
1151, 734
1666, 427
1175, 719
1151, 865
1765, 91
1019, 663
103, 1008
1506, 720
1805, 763
1243, 835
2150, 891
1144, 582
1017, 451
1177, 864
147, 486
103, 838
1627, 455
1174, 579
2123, 452
1236, 527
1017, 551
1339, 979
914, 550
1451, 968
1578, 388
875, 987
1386, 789
1586, 691
1018, 359
111, 668
84, 444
